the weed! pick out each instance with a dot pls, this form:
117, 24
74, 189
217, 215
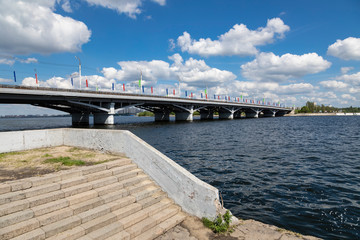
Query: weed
47, 155
221, 224
67, 161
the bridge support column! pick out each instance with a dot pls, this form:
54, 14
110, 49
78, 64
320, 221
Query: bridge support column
80, 119
206, 114
184, 116
270, 114
162, 116
226, 115
105, 118
252, 115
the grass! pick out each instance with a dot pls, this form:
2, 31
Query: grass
73, 149
221, 224
3, 155
66, 161
47, 155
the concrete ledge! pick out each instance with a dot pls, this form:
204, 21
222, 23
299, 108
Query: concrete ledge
193, 195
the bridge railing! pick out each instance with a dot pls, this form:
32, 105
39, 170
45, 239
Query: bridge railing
111, 92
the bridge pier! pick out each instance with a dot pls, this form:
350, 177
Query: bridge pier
206, 114
162, 116
226, 115
105, 118
252, 115
269, 113
79, 119
184, 116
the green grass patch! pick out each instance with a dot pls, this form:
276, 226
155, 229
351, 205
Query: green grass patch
66, 161
47, 155
221, 224
3, 155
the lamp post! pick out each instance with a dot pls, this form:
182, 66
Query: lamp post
79, 69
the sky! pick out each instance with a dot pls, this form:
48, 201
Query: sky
281, 51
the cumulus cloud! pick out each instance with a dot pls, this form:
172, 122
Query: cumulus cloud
335, 85
191, 72
33, 27
347, 49
269, 67
239, 40
353, 79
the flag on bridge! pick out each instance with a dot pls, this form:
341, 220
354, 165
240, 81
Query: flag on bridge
113, 86
14, 76
36, 78
124, 87
72, 82
143, 89
152, 90
87, 84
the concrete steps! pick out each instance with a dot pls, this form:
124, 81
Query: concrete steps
113, 200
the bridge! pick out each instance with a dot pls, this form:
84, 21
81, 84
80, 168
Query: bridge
105, 105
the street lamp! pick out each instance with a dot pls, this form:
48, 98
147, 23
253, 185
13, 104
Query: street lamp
79, 69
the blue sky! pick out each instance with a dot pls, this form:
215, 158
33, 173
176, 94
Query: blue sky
287, 51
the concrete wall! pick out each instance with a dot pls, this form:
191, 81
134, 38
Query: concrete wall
25, 140
193, 195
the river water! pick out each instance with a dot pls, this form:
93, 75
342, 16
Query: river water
298, 173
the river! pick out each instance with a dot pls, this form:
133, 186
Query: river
298, 173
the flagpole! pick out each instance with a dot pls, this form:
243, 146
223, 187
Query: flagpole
79, 69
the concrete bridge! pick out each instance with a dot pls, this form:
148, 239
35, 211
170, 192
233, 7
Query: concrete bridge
104, 105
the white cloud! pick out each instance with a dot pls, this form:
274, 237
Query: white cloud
11, 60
128, 7
65, 5
348, 96
191, 73
269, 67
7, 61
4, 80
160, 2
335, 85
33, 27
347, 49
239, 40
345, 70
28, 60
353, 79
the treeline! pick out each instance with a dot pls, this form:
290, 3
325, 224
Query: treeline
311, 107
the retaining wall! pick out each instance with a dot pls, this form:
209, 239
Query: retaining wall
193, 195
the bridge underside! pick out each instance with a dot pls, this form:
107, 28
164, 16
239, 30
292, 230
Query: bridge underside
104, 112
105, 105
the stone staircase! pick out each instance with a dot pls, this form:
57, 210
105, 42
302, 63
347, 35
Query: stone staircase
113, 200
